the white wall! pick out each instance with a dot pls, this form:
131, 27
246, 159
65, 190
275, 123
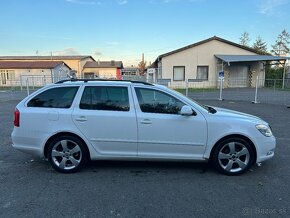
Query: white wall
106, 73
201, 55
35, 77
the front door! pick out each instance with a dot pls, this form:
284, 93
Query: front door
163, 132
106, 116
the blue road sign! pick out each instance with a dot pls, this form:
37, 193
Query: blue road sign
221, 74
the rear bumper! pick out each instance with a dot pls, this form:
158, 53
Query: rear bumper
27, 144
29, 150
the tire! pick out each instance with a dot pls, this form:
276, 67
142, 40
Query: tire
67, 154
233, 156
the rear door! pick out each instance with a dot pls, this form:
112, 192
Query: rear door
107, 118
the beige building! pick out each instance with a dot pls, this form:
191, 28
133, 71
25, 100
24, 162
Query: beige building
103, 69
75, 62
202, 64
36, 73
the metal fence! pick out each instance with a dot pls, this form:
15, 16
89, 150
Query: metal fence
270, 91
262, 91
28, 82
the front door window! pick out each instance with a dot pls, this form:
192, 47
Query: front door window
153, 101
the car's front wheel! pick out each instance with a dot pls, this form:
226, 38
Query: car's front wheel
233, 156
67, 154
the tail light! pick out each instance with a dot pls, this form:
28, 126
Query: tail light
16, 117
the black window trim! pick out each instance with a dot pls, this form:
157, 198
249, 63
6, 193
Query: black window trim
162, 91
106, 86
50, 88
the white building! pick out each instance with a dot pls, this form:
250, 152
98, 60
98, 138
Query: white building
75, 62
199, 64
37, 73
103, 69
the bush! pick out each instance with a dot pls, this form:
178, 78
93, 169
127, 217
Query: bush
274, 73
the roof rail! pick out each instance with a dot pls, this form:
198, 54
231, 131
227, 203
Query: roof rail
88, 80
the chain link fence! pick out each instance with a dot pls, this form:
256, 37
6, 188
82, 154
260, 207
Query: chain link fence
270, 91
25, 85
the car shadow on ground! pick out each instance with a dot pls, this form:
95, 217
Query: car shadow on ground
146, 167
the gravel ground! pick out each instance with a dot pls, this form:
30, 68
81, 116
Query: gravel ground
31, 188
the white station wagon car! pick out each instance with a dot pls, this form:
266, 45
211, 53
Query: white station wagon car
72, 122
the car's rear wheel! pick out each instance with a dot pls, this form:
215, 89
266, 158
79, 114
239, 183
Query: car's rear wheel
233, 156
67, 154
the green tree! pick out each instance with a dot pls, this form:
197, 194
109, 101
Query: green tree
245, 39
260, 46
281, 46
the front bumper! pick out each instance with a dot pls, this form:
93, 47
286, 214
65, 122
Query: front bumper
265, 148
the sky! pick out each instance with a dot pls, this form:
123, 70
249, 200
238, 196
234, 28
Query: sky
124, 29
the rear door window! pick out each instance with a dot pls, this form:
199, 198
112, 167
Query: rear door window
105, 98
61, 97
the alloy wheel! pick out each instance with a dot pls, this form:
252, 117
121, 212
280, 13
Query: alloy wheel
234, 157
66, 154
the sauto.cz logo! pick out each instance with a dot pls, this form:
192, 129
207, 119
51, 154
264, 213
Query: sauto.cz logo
247, 211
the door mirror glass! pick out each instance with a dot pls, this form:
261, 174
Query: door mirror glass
186, 111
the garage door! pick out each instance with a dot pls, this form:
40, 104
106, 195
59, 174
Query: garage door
238, 76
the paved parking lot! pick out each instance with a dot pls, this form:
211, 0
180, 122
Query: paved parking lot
31, 188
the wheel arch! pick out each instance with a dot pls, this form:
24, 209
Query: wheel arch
235, 136
59, 134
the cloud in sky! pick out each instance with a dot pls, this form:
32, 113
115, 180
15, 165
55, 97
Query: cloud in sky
269, 7
67, 51
97, 52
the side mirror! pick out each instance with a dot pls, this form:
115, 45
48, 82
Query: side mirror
187, 111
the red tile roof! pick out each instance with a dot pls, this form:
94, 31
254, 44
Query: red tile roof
63, 57
30, 64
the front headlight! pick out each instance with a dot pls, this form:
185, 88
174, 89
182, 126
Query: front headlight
264, 129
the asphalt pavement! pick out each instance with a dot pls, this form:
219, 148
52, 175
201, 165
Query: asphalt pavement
29, 187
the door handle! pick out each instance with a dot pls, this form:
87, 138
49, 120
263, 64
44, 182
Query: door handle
146, 121
81, 119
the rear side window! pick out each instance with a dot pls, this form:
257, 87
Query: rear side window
105, 98
61, 97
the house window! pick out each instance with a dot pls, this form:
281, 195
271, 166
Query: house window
89, 75
202, 72
159, 70
7, 75
10, 75
179, 73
